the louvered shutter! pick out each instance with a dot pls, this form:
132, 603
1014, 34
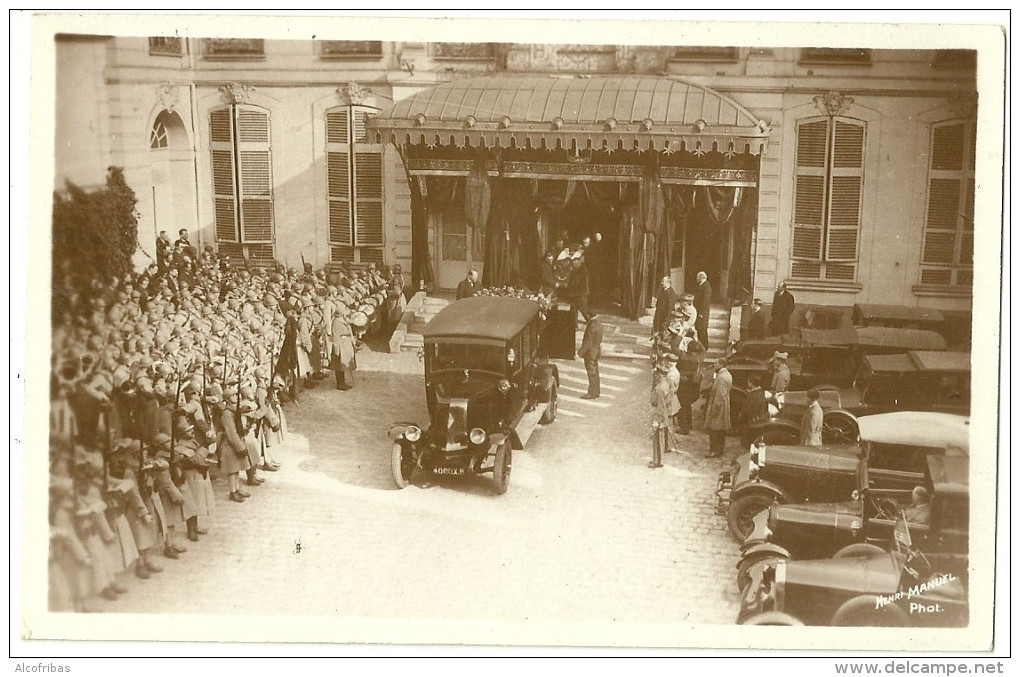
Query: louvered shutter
809, 197
255, 177
368, 182
221, 145
339, 180
949, 219
846, 183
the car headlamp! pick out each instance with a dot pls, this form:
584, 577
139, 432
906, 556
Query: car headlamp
477, 436
412, 433
504, 385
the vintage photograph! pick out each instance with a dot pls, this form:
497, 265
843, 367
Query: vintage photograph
620, 334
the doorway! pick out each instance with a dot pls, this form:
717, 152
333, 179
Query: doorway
580, 218
708, 247
460, 247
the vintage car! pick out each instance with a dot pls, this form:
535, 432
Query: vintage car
902, 317
485, 388
891, 454
918, 380
898, 588
817, 530
826, 358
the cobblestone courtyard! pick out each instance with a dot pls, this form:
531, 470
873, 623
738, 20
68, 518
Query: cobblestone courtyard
586, 533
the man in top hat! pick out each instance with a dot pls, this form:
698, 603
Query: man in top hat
665, 302
717, 409
781, 376
811, 422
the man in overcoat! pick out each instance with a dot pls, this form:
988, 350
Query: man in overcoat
590, 352
702, 304
342, 357
717, 409
665, 301
783, 304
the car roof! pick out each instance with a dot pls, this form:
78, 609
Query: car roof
921, 360
489, 317
890, 337
917, 429
949, 474
894, 312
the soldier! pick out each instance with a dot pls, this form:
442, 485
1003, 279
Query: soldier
343, 359
717, 409
194, 465
178, 503
233, 453
124, 480
781, 377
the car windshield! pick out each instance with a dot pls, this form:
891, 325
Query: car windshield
466, 356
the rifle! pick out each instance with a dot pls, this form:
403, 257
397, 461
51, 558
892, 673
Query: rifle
106, 451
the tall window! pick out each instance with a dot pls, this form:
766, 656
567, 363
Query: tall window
239, 139
947, 255
355, 178
827, 200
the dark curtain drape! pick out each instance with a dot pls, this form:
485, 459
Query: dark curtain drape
478, 196
679, 201
550, 197
422, 274
511, 236
744, 223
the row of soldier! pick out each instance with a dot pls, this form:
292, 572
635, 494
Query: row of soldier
162, 383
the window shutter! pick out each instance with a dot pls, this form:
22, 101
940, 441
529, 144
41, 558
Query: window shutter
255, 180
846, 183
809, 195
221, 144
368, 198
949, 219
339, 184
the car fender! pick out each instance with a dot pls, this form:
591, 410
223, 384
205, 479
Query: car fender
545, 376
756, 430
759, 486
397, 429
767, 548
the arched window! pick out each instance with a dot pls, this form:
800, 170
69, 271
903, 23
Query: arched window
827, 198
354, 167
158, 137
239, 141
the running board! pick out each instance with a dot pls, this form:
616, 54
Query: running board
528, 423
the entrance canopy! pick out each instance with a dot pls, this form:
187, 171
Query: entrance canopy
600, 113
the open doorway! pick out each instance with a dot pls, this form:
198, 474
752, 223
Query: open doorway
578, 219
708, 248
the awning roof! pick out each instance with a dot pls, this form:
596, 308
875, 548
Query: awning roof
611, 111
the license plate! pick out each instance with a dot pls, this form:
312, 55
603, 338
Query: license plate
449, 471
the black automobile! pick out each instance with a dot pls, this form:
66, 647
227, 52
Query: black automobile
485, 388
891, 454
896, 588
918, 380
826, 358
865, 525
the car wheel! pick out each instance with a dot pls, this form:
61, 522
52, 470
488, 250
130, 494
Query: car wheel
550, 411
865, 611
501, 468
772, 618
839, 429
401, 465
858, 550
745, 564
740, 517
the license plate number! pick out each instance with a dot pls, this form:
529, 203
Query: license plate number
448, 471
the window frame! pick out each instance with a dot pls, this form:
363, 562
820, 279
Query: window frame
241, 243
828, 262
965, 176
354, 250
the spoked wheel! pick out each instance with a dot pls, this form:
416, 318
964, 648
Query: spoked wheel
740, 517
550, 410
839, 429
501, 468
401, 465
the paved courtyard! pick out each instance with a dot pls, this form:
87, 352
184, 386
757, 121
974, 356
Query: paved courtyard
587, 532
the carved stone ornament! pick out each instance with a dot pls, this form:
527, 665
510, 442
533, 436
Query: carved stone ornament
167, 95
236, 92
353, 94
833, 103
